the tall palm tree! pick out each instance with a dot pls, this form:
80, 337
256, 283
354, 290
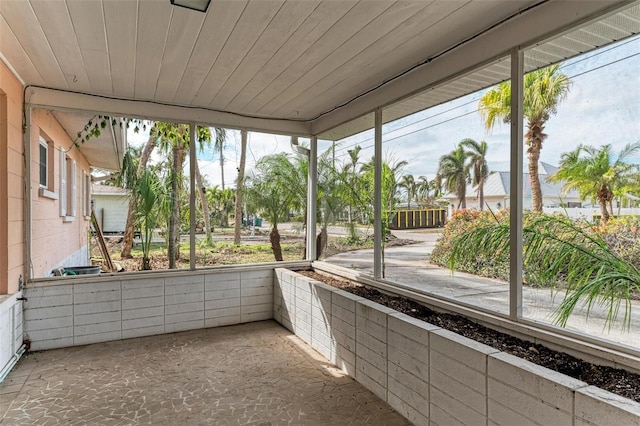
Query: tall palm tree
174, 141
477, 152
352, 171
218, 145
454, 171
408, 182
544, 89
423, 190
203, 135
240, 187
594, 173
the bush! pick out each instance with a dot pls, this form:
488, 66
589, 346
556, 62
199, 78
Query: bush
621, 235
493, 265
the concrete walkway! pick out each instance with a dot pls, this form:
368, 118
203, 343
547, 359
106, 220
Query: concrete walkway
409, 265
251, 374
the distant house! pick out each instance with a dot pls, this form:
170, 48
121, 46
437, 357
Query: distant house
497, 190
111, 204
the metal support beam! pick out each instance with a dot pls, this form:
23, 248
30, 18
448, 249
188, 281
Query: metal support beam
312, 191
377, 196
65, 100
26, 188
192, 196
515, 201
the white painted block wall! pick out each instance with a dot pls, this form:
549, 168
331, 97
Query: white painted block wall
10, 329
83, 310
433, 376
408, 366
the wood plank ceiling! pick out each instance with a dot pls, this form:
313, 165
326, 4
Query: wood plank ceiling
285, 60
277, 59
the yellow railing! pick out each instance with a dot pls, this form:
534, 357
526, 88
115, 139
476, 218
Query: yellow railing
417, 218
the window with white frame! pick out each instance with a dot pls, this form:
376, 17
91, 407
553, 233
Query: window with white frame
86, 195
44, 164
67, 187
45, 168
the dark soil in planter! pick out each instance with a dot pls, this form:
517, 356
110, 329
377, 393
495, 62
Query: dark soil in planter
615, 380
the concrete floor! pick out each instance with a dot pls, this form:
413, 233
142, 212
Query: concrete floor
257, 373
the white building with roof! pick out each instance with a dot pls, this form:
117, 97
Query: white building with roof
497, 192
111, 204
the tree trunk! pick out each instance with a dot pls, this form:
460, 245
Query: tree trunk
274, 237
321, 241
481, 195
222, 167
204, 203
604, 197
604, 213
127, 241
534, 139
462, 193
173, 249
239, 187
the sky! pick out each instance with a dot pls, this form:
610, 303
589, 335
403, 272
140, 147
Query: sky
602, 107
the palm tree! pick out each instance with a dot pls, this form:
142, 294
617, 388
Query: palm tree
150, 201
423, 191
222, 204
149, 146
454, 171
269, 191
565, 251
174, 140
544, 89
240, 187
333, 196
594, 173
408, 182
391, 172
203, 135
477, 152
352, 170
218, 145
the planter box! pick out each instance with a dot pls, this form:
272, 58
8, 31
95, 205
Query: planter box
431, 375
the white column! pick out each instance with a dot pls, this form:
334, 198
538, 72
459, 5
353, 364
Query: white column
377, 197
312, 191
27, 194
192, 196
515, 202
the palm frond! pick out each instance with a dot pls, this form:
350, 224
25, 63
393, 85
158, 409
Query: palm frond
560, 251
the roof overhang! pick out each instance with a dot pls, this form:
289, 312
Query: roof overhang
102, 152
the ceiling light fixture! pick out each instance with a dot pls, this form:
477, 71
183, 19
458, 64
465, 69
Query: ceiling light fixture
199, 5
